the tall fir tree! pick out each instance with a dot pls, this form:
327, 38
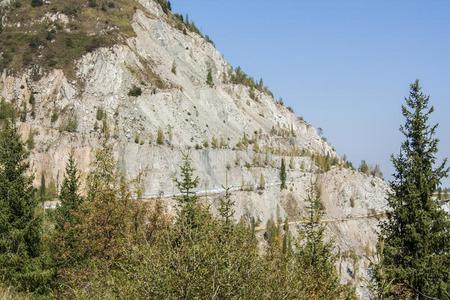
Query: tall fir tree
67, 217
283, 174
188, 201
226, 210
315, 257
21, 263
414, 242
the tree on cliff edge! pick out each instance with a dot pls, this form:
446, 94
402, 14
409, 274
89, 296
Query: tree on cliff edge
414, 242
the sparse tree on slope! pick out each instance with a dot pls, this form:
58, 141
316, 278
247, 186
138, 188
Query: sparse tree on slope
414, 243
209, 79
283, 175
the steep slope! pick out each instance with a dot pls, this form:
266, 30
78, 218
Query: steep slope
161, 89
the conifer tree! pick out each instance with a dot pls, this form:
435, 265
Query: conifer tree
209, 78
106, 214
226, 209
364, 168
414, 243
315, 256
283, 174
188, 200
262, 183
67, 218
21, 225
160, 137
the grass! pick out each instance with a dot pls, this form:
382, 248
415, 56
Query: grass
56, 45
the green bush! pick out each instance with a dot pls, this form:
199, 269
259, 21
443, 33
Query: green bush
135, 91
36, 3
7, 110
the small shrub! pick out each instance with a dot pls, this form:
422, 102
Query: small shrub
174, 68
72, 124
36, 3
54, 116
209, 79
100, 114
7, 110
135, 91
92, 3
160, 137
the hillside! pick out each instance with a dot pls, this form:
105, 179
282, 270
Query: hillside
158, 87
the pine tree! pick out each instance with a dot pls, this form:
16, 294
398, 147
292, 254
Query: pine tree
67, 219
188, 201
262, 183
21, 263
363, 168
160, 137
42, 189
226, 209
315, 256
209, 78
283, 175
414, 243
107, 214
36, 3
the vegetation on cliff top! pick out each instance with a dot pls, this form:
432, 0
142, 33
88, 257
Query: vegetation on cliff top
55, 34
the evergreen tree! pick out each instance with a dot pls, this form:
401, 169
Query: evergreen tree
188, 213
21, 263
42, 189
67, 219
226, 209
283, 175
364, 167
262, 183
160, 137
209, 78
36, 3
315, 257
414, 243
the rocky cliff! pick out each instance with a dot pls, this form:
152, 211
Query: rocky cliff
161, 89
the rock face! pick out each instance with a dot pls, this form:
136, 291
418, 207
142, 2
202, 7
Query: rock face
152, 94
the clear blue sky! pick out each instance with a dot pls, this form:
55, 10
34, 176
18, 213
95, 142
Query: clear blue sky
345, 66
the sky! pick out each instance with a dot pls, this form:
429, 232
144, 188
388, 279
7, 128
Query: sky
345, 66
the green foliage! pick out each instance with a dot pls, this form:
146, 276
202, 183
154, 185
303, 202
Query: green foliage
209, 78
315, 257
283, 175
226, 208
174, 68
160, 137
135, 91
165, 5
36, 3
414, 242
364, 167
71, 124
67, 217
7, 110
56, 45
239, 77
54, 116
262, 183
21, 260
187, 182
100, 114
